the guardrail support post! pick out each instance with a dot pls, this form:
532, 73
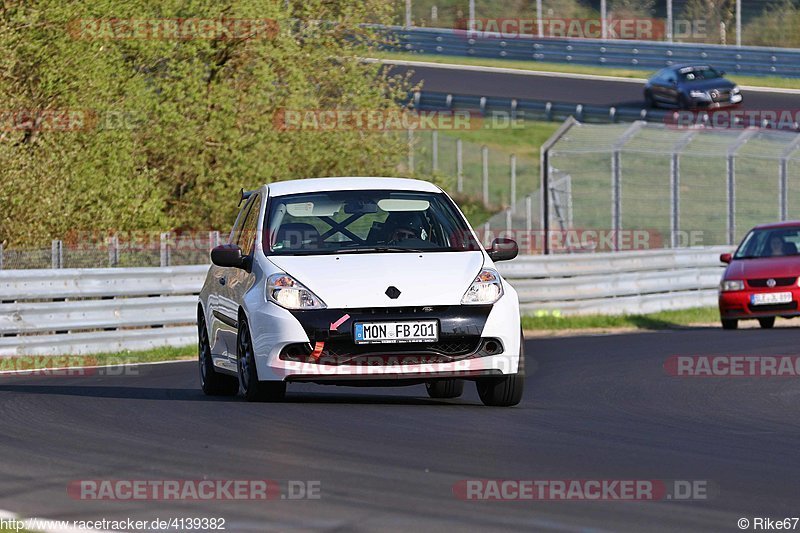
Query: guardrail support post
165, 249
113, 250
485, 164
56, 254
459, 167
1, 256
513, 165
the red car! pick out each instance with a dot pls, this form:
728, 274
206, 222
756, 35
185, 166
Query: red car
761, 280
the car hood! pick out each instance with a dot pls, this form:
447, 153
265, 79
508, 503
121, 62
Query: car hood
707, 85
767, 267
361, 280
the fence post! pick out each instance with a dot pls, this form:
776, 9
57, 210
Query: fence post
113, 250
213, 240
435, 150
56, 254
459, 167
165, 249
410, 151
731, 189
1, 256
508, 221
616, 180
485, 164
513, 164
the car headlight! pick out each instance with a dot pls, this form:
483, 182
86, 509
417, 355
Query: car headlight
287, 292
735, 90
731, 285
698, 94
486, 289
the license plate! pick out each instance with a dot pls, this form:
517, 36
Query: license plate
766, 298
736, 98
389, 332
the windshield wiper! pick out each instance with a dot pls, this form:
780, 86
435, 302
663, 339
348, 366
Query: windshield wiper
378, 249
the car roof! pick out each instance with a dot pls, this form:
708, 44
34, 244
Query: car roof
281, 188
778, 225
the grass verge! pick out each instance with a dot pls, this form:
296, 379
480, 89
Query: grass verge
652, 321
34, 362
755, 81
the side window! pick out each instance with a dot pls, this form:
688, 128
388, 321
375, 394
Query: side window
237, 226
247, 236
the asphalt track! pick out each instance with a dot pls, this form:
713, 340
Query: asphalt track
596, 407
566, 90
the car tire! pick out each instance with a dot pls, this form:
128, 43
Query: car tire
729, 323
251, 388
649, 101
507, 390
445, 388
767, 322
212, 382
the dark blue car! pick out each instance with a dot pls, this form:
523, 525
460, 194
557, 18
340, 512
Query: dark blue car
691, 87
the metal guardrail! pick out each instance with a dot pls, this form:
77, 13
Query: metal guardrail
539, 109
617, 282
83, 311
748, 60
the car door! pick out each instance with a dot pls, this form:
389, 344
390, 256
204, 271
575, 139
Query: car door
223, 305
239, 280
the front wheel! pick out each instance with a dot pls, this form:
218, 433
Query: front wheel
729, 323
253, 389
507, 390
445, 388
649, 101
767, 322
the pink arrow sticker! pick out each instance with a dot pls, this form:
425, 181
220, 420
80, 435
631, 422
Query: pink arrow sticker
335, 325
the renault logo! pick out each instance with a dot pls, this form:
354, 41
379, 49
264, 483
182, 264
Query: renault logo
770, 282
392, 292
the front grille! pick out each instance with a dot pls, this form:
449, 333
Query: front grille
791, 306
779, 282
339, 352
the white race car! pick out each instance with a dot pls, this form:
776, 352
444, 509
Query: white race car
358, 281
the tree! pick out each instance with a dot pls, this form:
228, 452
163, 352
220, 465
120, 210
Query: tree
165, 130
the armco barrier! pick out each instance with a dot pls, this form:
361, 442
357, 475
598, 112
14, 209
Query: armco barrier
617, 282
748, 60
83, 311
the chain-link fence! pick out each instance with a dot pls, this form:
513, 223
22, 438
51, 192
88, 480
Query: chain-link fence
134, 249
646, 185
751, 22
491, 174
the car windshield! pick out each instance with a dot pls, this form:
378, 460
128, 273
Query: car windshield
698, 73
773, 242
365, 221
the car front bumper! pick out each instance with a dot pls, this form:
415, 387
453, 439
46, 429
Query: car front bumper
737, 304
474, 341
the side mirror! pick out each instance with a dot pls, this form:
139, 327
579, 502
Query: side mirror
228, 255
725, 258
503, 249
